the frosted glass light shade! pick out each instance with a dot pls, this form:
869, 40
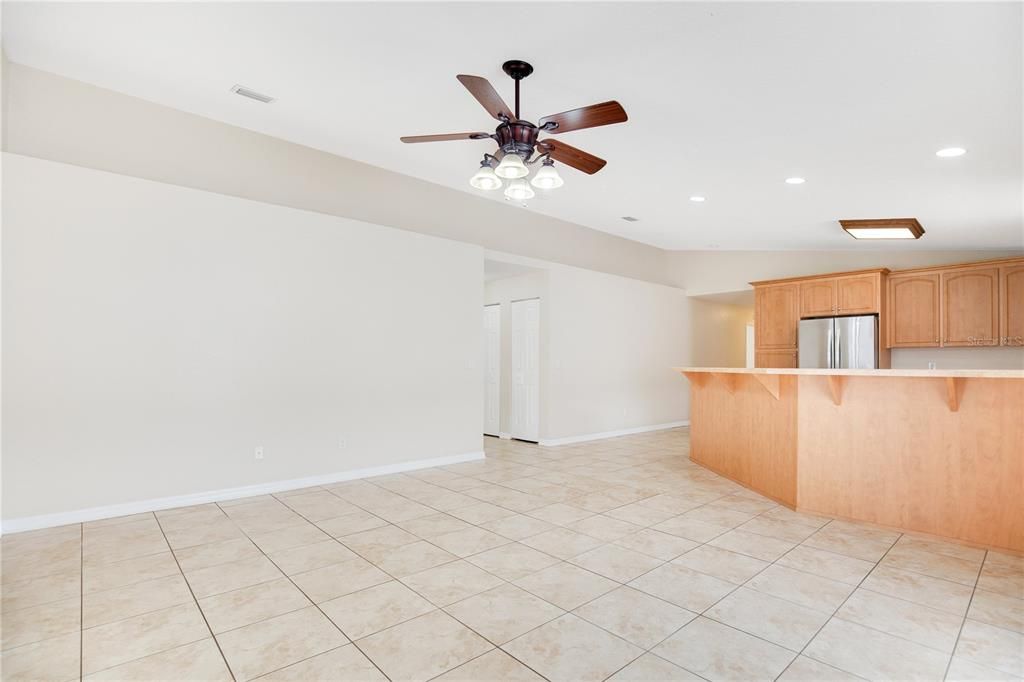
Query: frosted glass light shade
519, 190
547, 178
511, 167
485, 179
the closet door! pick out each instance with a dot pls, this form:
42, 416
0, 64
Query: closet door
525, 346
492, 369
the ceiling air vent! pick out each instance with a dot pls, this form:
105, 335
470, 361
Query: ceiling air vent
251, 94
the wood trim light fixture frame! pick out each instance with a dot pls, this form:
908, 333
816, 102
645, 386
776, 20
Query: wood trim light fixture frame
883, 228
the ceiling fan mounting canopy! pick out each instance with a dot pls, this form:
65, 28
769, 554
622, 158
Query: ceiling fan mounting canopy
517, 69
514, 135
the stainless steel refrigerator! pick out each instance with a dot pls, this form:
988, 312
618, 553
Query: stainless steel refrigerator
839, 342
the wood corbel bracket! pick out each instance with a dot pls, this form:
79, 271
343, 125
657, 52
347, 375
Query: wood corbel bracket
835, 387
770, 382
730, 380
697, 378
954, 392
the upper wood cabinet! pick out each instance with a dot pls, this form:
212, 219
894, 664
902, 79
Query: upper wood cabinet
1011, 305
854, 295
817, 297
859, 294
913, 310
970, 307
776, 314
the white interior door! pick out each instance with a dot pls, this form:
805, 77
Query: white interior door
492, 369
524, 422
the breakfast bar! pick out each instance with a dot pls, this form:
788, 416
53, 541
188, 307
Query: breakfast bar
932, 451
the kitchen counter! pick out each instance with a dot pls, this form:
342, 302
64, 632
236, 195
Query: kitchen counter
940, 373
934, 451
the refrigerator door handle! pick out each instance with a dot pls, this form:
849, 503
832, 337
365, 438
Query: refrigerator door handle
837, 353
830, 353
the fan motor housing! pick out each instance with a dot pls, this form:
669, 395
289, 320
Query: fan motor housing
519, 137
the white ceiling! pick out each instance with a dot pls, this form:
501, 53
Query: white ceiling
725, 101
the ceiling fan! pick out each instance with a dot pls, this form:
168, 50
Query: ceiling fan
517, 138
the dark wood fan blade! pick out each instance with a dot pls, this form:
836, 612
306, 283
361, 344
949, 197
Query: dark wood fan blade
485, 93
445, 138
595, 115
570, 156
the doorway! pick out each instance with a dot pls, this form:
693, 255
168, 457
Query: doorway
524, 415
492, 369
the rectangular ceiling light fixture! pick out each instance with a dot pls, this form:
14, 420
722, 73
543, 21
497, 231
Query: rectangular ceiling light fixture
883, 228
251, 94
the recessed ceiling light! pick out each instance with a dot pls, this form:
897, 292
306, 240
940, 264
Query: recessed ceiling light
697, 199
795, 181
630, 219
885, 228
950, 152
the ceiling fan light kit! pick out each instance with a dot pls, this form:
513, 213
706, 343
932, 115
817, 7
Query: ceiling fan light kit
518, 146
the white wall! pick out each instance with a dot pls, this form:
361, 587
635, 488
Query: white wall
611, 344
155, 335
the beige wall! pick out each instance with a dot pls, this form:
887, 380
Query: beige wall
56, 118
718, 333
155, 335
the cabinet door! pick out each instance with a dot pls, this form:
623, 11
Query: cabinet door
818, 298
914, 310
777, 359
1011, 305
776, 314
857, 294
970, 307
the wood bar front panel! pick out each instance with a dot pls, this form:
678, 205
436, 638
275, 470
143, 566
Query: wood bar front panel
893, 453
742, 432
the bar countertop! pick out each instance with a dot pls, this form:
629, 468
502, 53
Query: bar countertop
939, 373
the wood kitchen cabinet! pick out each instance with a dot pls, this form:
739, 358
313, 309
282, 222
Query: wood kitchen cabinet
1011, 305
970, 307
859, 295
776, 314
777, 359
913, 310
818, 298
962, 305
854, 295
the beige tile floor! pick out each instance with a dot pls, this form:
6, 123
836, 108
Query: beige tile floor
617, 559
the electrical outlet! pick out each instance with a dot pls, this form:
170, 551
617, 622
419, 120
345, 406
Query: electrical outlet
342, 443
258, 454
931, 365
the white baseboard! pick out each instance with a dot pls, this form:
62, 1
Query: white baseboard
111, 511
612, 434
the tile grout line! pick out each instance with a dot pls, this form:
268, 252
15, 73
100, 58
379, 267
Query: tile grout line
311, 601
967, 611
836, 610
194, 600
